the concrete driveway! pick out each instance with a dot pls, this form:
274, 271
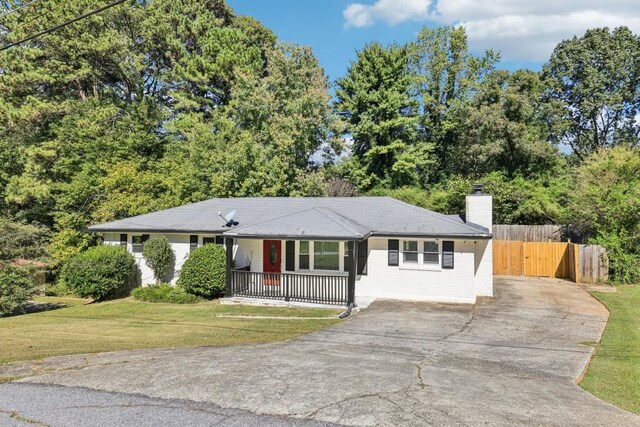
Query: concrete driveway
513, 359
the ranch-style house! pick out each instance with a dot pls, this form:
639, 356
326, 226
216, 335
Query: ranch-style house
332, 250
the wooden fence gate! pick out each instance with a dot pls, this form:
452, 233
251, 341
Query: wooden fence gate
545, 259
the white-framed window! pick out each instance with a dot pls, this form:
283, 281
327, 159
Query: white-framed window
421, 254
430, 253
326, 255
137, 244
320, 255
410, 251
303, 255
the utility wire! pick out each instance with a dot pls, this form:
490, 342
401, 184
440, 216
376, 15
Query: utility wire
15, 9
64, 24
31, 19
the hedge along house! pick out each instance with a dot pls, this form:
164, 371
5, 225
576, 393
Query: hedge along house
328, 250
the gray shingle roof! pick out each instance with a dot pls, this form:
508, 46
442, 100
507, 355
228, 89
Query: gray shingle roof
321, 223
290, 217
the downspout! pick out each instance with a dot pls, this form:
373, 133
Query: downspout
347, 312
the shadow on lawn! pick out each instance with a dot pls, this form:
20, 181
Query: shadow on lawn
39, 306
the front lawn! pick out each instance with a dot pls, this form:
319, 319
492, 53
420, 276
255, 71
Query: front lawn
614, 372
127, 324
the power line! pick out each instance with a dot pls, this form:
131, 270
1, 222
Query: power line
31, 19
15, 9
64, 24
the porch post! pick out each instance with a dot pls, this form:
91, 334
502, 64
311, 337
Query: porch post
351, 261
228, 242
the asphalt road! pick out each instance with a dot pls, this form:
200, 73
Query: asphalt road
45, 405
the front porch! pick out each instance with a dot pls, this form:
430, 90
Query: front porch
312, 288
296, 277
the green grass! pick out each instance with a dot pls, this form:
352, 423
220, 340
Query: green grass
127, 324
614, 372
165, 293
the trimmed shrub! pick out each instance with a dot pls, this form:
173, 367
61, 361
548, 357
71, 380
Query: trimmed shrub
165, 293
16, 287
58, 289
100, 272
204, 272
159, 257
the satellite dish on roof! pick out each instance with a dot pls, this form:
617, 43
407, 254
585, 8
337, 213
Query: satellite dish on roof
228, 218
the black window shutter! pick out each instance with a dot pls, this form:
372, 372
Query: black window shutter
363, 251
219, 240
193, 242
394, 251
447, 254
290, 256
123, 239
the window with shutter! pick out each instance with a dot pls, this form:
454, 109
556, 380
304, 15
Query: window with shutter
393, 248
136, 244
123, 240
410, 251
431, 253
218, 240
447, 254
193, 242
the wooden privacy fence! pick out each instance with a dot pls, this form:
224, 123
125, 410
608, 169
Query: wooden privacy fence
594, 264
579, 263
528, 233
546, 259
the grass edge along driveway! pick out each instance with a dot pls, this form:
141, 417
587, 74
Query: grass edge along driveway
614, 372
127, 324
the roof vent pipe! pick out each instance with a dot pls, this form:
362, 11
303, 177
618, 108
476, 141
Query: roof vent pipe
477, 189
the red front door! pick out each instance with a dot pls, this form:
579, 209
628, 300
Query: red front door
271, 261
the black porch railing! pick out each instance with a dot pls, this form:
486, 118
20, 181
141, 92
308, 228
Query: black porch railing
320, 289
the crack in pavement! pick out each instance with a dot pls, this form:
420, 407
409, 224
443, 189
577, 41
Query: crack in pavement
421, 382
465, 326
17, 416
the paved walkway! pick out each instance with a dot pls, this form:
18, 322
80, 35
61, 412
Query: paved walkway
510, 360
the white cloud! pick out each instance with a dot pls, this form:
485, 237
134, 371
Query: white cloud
391, 11
519, 29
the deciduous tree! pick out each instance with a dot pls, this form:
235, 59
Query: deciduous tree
595, 82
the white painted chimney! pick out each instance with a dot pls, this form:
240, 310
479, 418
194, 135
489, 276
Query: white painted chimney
480, 211
480, 207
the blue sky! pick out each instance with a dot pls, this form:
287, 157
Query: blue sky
525, 32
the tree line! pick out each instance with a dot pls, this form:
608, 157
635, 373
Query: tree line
165, 102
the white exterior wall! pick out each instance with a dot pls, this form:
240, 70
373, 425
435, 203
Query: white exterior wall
180, 243
416, 283
479, 210
471, 275
248, 252
484, 268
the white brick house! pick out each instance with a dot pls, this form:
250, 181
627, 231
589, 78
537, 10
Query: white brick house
329, 250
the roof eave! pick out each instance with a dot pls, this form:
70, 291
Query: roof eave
290, 236
434, 235
98, 229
